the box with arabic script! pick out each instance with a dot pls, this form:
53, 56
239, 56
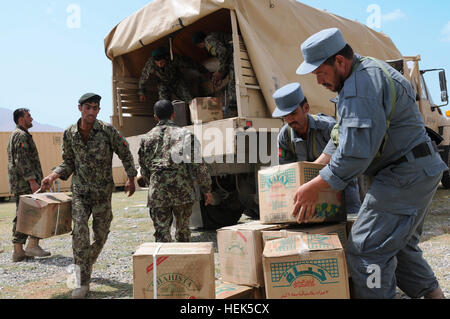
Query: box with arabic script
306, 266
174, 271
277, 188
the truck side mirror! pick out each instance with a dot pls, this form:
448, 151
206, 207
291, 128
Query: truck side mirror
443, 83
334, 101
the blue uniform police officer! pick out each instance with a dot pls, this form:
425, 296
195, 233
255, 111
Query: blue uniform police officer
381, 134
306, 137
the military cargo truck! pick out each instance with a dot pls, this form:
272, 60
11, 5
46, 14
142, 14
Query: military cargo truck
266, 40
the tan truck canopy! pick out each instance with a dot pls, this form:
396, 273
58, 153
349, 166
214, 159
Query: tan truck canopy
272, 31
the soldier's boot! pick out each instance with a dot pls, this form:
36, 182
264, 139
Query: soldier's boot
19, 254
80, 293
33, 249
435, 294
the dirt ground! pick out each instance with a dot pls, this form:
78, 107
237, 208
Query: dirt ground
113, 274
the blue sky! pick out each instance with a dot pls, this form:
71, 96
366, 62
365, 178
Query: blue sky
48, 62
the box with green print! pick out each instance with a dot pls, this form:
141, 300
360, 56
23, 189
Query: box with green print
306, 266
240, 250
277, 188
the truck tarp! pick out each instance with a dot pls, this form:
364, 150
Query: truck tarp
272, 31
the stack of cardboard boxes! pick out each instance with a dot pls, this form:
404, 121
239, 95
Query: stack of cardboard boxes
271, 258
280, 257
302, 261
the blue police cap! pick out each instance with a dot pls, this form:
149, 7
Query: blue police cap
319, 47
287, 99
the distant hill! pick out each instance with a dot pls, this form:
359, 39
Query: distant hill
7, 123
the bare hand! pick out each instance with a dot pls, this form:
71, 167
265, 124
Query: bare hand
305, 201
208, 198
129, 186
47, 182
34, 186
142, 98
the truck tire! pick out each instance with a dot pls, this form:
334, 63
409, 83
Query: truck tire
446, 177
227, 213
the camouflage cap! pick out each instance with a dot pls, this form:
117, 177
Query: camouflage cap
159, 52
198, 37
89, 96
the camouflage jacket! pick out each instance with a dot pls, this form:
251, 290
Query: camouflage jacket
171, 184
91, 162
171, 73
220, 45
23, 162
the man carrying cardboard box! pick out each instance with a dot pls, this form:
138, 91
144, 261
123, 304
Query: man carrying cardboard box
381, 134
88, 148
169, 75
25, 175
220, 45
307, 137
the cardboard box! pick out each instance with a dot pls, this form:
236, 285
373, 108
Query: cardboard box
277, 188
240, 253
175, 270
226, 290
307, 266
339, 229
44, 215
205, 109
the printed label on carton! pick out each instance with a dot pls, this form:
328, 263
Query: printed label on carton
300, 273
284, 179
236, 248
174, 285
319, 241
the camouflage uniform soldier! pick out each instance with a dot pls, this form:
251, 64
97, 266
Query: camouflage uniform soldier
169, 75
219, 45
171, 186
25, 175
88, 148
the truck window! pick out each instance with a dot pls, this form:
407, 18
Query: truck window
425, 92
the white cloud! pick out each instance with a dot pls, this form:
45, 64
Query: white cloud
445, 33
394, 15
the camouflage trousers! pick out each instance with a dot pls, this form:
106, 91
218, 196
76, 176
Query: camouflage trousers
19, 238
162, 218
84, 253
179, 89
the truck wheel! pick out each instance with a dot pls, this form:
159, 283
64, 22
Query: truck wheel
225, 214
446, 176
